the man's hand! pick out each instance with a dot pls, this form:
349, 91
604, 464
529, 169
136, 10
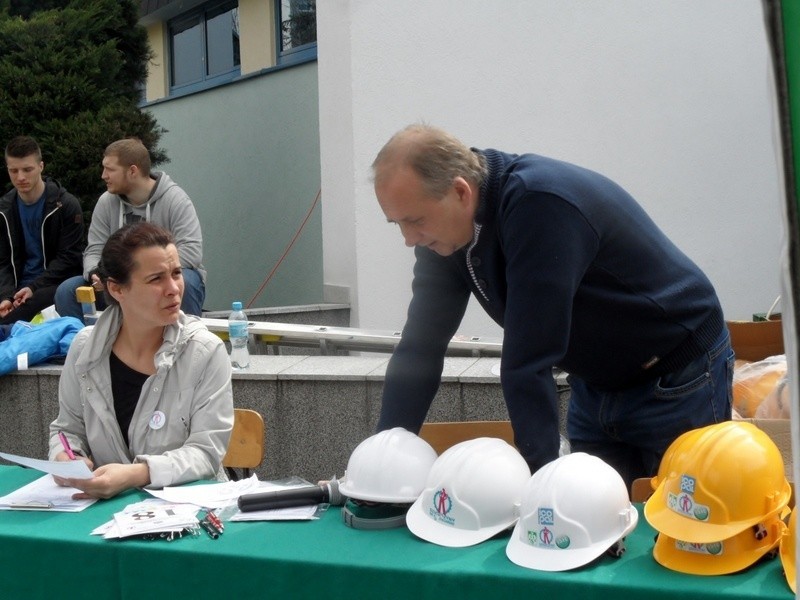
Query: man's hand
5, 307
22, 296
97, 284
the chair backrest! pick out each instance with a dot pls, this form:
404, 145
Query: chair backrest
443, 435
641, 489
246, 448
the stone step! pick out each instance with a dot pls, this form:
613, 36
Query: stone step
316, 408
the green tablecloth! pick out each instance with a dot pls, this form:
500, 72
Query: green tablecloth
46, 555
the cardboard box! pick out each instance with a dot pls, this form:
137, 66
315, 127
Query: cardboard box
756, 340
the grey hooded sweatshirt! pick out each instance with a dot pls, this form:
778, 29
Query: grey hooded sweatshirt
168, 206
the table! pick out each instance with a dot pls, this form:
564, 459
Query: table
46, 555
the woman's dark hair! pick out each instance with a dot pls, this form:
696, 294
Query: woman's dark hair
116, 260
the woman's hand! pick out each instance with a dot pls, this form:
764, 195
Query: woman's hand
109, 480
62, 456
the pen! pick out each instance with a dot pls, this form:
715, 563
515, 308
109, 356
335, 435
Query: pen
215, 520
212, 531
66, 445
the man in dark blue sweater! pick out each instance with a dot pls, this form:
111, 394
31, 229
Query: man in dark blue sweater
578, 276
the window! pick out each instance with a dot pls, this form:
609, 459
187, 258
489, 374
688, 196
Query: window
204, 47
297, 30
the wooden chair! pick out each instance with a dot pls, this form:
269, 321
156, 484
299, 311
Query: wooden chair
246, 448
641, 489
443, 435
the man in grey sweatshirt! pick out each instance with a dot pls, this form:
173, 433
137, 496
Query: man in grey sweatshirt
135, 193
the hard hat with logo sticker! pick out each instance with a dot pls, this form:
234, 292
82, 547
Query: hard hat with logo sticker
722, 557
472, 493
788, 551
679, 447
573, 509
390, 466
722, 479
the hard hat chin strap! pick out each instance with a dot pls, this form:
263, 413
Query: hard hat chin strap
617, 549
373, 516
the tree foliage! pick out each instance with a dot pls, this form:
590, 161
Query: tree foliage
71, 72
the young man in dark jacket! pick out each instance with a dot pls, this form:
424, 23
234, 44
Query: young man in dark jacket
41, 235
578, 276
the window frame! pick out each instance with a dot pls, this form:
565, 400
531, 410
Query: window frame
303, 53
200, 15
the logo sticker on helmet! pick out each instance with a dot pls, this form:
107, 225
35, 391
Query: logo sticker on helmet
442, 505
687, 484
546, 516
563, 541
442, 502
546, 536
711, 548
685, 505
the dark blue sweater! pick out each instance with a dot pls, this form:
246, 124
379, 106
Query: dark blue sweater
577, 275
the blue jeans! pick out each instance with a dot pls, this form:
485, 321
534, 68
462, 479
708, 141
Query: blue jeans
632, 428
194, 294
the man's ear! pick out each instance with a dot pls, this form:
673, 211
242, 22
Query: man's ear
464, 191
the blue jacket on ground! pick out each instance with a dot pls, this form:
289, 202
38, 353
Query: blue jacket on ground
47, 341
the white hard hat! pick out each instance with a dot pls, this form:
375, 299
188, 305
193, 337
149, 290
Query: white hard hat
573, 509
390, 466
472, 493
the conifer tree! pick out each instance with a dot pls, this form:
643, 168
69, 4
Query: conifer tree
71, 72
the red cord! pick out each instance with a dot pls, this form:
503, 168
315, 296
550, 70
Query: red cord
286, 251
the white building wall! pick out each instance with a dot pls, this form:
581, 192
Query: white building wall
670, 99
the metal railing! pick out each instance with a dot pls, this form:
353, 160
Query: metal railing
330, 340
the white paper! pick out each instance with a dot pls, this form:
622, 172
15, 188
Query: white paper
293, 513
74, 469
210, 495
44, 494
112, 524
153, 519
225, 495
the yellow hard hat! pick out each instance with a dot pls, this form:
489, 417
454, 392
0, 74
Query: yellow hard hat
721, 557
676, 447
788, 545
720, 480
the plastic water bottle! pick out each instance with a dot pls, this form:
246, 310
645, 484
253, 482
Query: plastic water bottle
237, 333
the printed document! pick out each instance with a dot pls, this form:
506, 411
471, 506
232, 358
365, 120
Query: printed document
75, 469
44, 494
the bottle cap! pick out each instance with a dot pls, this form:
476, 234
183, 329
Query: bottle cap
237, 306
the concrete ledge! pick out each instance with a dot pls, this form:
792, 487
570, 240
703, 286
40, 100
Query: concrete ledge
316, 408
